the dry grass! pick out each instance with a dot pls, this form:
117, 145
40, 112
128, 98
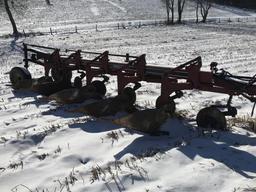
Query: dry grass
249, 189
110, 173
245, 122
114, 136
58, 150
16, 165
3, 140
42, 156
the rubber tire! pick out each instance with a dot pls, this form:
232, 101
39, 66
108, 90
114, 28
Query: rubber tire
131, 94
18, 75
100, 87
211, 118
60, 76
78, 82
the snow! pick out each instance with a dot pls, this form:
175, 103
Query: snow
45, 147
37, 16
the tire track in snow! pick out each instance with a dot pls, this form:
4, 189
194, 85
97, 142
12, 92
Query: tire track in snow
116, 5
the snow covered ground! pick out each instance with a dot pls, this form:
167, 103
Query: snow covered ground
37, 16
45, 148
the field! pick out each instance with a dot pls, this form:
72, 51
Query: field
43, 147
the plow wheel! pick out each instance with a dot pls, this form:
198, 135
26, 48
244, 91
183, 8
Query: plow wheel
61, 75
128, 91
99, 86
78, 82
161, 102
18, 75
211, 118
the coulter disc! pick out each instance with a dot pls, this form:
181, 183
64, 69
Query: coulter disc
211, 118
100, 87
167, 103
18, 75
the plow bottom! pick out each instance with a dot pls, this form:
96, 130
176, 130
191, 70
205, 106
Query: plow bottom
147, 121
110, 106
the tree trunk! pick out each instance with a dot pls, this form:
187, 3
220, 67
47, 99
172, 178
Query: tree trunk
181, 4
205, 6
170, 7
205, 16
168, 11
197, 7
172, 10
8, 11
172, 14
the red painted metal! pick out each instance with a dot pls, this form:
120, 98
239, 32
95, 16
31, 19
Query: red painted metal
135, 69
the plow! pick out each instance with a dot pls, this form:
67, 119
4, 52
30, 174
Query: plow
130, 70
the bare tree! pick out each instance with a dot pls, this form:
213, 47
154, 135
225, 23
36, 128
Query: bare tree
10, 16
181, 4
197, 8
205, 5
170, 7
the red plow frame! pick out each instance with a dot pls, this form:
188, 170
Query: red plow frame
134, 69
